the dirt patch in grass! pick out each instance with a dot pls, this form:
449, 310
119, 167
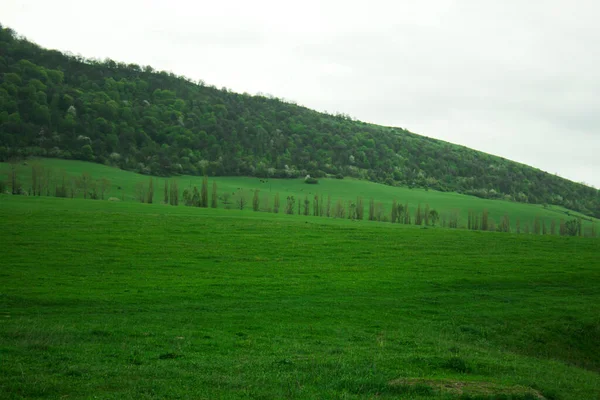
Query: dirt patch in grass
471, 388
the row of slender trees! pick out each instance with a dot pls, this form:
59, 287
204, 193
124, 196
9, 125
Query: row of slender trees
47, 181
318, 206
571, 227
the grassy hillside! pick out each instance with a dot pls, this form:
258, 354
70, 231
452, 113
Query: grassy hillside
157, 123
129, 300
123, 186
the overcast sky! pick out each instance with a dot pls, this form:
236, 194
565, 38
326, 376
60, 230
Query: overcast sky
519, 79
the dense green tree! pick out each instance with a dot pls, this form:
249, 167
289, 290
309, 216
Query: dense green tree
573, 227
434, 216
256, 201
61, 189
359, 208
537, 227
174, 193
406, 215
187, 197
379, 215
351, 209
289, 208
321, 207
544, 231
150, 191
485, 220
453, 219
276, 204
85, 181
400, 213
87, 153
166, 192
214, 197
241, 199
204, 193
14, 176
306, 205
339, 210
196, 199
265, 203
505, 224
104, 184
418, 215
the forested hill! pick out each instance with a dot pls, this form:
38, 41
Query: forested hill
59, 105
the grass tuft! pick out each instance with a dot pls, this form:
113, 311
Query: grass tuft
169, 356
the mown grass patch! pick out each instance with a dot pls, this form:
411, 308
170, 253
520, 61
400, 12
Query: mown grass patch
469, 390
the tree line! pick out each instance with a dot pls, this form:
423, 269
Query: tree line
47, 181
157, 123
319, 206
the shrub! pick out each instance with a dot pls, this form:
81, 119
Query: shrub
311, 181
457, 364
573, 227
339, 176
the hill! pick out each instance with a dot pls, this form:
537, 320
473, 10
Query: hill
128, 300
64, 106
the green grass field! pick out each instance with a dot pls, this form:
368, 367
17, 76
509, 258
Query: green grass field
123, 185
127, 300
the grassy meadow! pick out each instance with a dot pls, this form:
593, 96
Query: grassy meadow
122, 300
123, 186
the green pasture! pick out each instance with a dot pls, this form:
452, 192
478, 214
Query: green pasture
122, 300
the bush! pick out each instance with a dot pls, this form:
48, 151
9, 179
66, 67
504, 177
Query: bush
339, 176
311, 181
573, 227
457, 364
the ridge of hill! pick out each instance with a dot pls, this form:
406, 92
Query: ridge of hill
154, 122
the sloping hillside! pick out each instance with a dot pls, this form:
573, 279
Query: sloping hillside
64, 106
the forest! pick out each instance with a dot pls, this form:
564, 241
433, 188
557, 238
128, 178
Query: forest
158, 123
